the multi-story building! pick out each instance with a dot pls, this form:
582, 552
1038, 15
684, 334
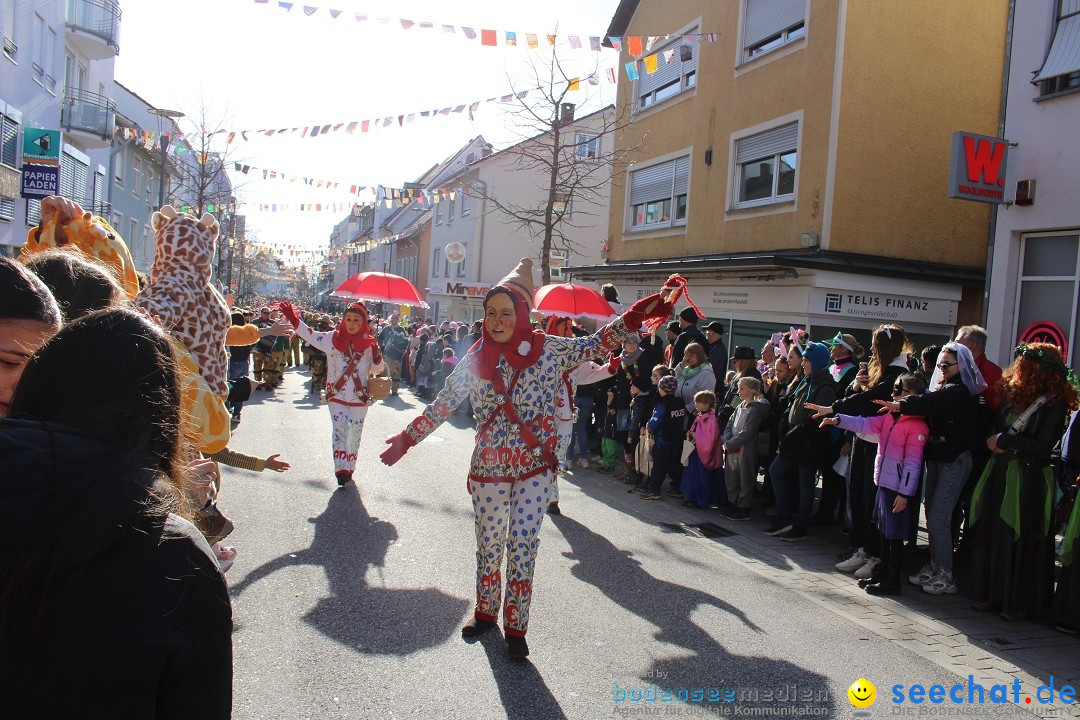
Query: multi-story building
791, 160
490, 206
56, 73
1035, 270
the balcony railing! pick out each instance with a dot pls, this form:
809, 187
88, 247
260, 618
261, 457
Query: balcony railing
89, 112
97, 17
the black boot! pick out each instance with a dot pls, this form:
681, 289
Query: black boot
516, 647
476, 627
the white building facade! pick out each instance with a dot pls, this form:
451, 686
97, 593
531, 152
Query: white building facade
1035, 258
56, 73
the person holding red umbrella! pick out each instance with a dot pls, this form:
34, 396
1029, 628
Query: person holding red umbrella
512, 376
352, 355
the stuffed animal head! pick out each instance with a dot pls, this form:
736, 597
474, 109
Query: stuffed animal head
183, 241
65, 224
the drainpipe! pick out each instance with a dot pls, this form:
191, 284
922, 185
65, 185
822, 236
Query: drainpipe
1001, 134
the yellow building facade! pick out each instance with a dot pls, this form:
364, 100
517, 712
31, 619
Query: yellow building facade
791, 158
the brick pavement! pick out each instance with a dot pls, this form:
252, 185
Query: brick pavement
943, 629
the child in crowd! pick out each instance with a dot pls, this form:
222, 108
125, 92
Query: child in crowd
668, 425
641, 407
609, 445
449, 362
740, 441
897, 473
701, 480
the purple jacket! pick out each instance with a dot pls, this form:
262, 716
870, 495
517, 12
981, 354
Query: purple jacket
898, 465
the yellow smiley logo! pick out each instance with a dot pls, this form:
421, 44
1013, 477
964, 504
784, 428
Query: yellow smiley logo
862, 693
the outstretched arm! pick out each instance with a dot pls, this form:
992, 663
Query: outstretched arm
457, 387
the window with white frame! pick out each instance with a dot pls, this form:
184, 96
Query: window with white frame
7, 28
450, 208
461, 268
9, 140
771, 24
659, 194
40, 54
133, 236
676, 72
464, 202
136, 175
439, 210
1049, 283
119, 165
587, 147
437, 264
765, 166
563, 205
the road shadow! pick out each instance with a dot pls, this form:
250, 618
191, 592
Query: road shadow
706, 663
522, 689
368, 618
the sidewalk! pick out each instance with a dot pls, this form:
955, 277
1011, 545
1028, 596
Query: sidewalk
943, 629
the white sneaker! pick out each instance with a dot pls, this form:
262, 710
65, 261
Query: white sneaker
941, 584
868, 568
583, 463
923, 576
853, 563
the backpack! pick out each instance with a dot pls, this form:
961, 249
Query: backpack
396, 346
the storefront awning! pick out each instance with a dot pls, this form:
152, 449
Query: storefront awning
788, 262
1064, 55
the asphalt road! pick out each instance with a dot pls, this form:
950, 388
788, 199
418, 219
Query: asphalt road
348, 603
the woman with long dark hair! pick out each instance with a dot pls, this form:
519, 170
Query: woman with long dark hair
28, 317
105, 587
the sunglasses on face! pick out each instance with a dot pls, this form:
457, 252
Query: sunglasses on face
946, 365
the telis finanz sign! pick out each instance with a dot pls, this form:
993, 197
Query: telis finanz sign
977, 168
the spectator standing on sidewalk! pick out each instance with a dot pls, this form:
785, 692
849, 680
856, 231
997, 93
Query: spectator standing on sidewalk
718, 355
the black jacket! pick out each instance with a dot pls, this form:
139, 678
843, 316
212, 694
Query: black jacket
103, 611
692, 334
952, 414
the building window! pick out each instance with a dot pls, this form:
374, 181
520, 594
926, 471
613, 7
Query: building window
1049, 283
9, 141
437, 264
676, 72
659, 194
450, 208
563, 205
1061, 69
439, 210
765, 166
772, 24
7, 28
464, 203
461, 269
136, 175
587, 147
119, 165
44, 41
33, 212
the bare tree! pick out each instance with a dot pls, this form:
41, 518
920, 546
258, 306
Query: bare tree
569, 173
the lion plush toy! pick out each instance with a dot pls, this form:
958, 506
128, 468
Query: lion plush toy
65, 224
179, 292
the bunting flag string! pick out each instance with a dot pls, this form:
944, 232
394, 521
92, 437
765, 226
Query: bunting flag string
651, 63
487, 37
245, 169
351, 127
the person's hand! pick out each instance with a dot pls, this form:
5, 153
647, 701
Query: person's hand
826, 422
65, 210
845, 449
290, 312
272, 463
613, 363
888, 406
819, 410
899, 504
862, 379
282, 328
991, 442
399, 445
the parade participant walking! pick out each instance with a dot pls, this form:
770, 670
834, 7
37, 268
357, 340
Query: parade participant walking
512, 376
352, 355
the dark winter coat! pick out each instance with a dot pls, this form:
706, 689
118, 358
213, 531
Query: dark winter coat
668, 421
104, 611
952, 414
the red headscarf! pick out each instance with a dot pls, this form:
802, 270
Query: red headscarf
362, 340
486, 352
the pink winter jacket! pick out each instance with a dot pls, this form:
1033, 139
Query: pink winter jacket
898, 465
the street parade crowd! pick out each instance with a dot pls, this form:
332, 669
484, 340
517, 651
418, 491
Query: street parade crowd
118, 395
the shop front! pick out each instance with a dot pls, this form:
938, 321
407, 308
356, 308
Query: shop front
458, 301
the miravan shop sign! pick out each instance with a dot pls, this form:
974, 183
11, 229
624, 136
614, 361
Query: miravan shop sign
892, 307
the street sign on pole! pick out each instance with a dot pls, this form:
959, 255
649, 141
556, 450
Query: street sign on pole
41, 146
40, 181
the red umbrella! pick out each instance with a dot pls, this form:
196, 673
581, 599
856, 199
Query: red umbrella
572, 301
380, 287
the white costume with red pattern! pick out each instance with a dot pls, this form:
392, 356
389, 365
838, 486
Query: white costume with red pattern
509, 482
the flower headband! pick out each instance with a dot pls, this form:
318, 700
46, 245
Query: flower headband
800, 339
1050, 361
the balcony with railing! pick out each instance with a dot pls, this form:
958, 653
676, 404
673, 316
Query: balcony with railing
89, 115
95, 26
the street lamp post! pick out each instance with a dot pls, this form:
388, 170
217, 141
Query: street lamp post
164, 141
